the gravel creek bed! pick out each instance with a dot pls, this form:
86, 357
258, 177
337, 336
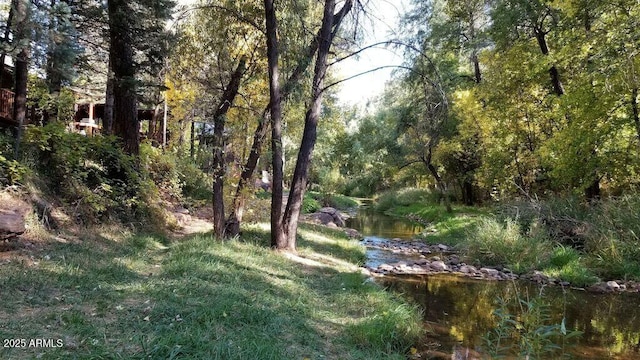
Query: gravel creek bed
413, 257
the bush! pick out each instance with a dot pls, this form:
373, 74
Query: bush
493, 242
161, 169
607, 231
196, 184
11, 171
405, 197
92, 176
526, 326
309, 204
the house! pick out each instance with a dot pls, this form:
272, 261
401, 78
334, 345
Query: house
7, 96
89, 113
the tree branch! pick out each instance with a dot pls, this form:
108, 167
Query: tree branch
366, 72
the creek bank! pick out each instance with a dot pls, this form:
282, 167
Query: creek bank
424, 259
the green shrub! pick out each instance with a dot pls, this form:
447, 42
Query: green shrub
406, 197
493, 242
92, 176
410, 196
11, 171
196, 184
161, 169
309, 204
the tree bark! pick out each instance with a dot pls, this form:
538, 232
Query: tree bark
22, 38
219, 116
592, 192
636, 112
107, 121
235, 217
277, 235
476, 67
468, 197
121, 53
192, 139
440, 183
309, 135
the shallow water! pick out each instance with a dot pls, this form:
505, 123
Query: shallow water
458, 311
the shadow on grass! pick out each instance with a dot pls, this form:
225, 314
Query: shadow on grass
197, 299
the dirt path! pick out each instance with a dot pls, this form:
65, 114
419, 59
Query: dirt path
196, 221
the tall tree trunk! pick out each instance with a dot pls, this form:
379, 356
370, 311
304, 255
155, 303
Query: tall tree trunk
54, 75
125, 120
468, 196
440, 183
309, 135
259, 137
219, 116
476, 67
636, 112
22, 38
278, 239
107, 121
192, 142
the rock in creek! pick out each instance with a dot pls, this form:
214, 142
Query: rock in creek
419, 263
328, 216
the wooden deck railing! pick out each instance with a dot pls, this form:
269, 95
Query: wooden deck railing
6, 104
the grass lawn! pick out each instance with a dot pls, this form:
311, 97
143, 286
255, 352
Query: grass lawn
142, 296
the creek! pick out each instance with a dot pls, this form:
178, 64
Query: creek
458, 311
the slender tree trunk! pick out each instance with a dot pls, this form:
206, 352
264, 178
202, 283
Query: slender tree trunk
235, 217
442, 185
192, 143
467, 192
309, 135
636, 112
22, 38
54, 76
219, 116
125, 120
277, 235
476, 67
107, 121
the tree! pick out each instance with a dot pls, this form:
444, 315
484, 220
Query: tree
132, 26
226, 101
61, 54
293, 83
286, 235
22, 39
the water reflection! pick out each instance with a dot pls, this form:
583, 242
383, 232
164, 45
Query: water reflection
459, 311
370, 223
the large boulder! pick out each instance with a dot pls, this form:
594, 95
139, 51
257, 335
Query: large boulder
11, 223
328, 216
12, 216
